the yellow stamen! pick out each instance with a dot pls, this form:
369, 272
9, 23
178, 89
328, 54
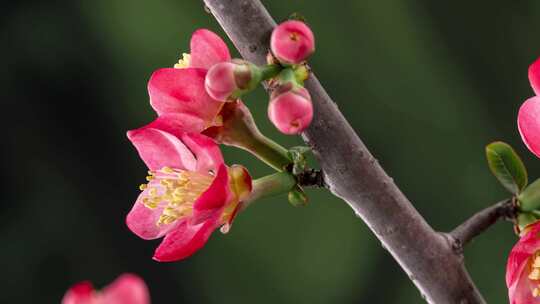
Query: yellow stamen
175, 191
535, 274
143, 186
536, 263
184, 62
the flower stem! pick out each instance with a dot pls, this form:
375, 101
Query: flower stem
270, 185
239, 130
269, 71
270, 152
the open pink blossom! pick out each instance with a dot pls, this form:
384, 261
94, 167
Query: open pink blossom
291, 111
292, 42
126, 289
523, 268
190, 191
181, 90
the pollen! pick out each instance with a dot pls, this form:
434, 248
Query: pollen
174, 191
184, 62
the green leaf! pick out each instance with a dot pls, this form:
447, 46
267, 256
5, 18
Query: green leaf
529, 199
525, 219
506, 166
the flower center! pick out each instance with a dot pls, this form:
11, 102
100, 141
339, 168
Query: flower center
534, 274
184, 62
174, 189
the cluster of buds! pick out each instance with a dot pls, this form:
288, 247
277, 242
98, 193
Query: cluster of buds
290, 108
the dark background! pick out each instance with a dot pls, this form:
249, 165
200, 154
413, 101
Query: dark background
427, 84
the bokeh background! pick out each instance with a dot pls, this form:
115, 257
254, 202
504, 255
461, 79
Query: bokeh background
427, 84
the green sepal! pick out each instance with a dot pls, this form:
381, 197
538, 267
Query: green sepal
507, 167
297, 197
297, 16
298, 156
529, 199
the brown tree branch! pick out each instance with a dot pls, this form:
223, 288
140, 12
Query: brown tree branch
353, 174
482, 220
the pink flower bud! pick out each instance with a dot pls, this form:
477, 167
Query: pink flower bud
226, 81
291, 111
292, 42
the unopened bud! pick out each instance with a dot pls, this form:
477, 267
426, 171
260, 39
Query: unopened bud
292, 42
226, 81
291, 111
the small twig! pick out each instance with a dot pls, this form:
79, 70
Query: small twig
480, 221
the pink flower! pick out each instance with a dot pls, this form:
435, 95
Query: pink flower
190, 191
523, 268
292, 42
180, 91
126, 289
529, 113
290, 109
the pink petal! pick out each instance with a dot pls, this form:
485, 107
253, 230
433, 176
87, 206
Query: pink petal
207, 49
142, 220
185, 240
159, 149
214, 199
534, 76
182, 91
205, 150
127, 289
521, 292
177, 123
529, 124
80, 293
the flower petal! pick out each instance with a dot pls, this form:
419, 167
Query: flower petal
521, 291
185, 240
214, 199
80, 293
177, 123
534, 76
207, 49
159, 149
529, 124
206, 151
182, 91
142, 220
127, 289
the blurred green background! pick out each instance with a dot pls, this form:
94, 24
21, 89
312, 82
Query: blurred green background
427, 84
